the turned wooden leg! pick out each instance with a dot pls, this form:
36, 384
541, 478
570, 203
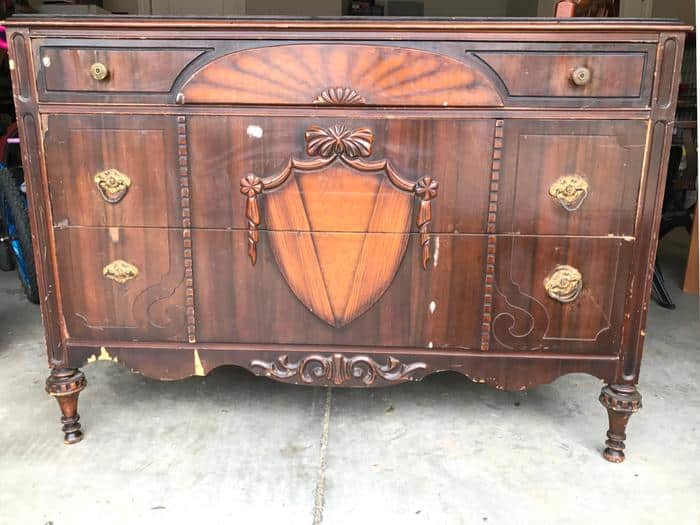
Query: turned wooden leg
65, 385
621, 401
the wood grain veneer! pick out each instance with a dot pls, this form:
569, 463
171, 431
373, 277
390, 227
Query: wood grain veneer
347, 202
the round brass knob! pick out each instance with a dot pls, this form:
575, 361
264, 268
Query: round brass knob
99, 71
581, 76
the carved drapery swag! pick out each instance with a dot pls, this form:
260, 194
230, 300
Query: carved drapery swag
329, 145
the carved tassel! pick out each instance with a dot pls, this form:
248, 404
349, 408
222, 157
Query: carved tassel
252, 212
426, 188
251, 187
425, 215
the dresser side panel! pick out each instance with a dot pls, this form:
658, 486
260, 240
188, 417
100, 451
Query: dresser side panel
664, 99
31, 142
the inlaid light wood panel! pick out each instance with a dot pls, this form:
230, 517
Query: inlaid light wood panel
342, 74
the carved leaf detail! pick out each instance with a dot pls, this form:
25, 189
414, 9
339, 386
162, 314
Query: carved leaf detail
339, 96
339, 140
338, 369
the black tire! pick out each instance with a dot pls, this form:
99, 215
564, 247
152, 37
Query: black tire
11, 199
7, 261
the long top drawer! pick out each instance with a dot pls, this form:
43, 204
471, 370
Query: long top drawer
383, 73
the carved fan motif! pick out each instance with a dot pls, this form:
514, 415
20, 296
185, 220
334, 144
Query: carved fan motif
339, 97
342, 75
337, 289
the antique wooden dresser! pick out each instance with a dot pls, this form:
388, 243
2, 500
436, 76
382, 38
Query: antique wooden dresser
347, 202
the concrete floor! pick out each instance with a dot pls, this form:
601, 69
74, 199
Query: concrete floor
231, 448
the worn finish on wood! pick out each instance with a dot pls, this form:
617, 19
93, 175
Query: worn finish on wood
337, 369
526, 317
499, 370
424, 309
142, 148
606, 155
537, 74
113, 300
338, 289
69, 69
378, 75
448, 198
25, 98
621, 401
226, 149
65, 384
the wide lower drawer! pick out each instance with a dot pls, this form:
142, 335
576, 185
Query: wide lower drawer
355, 289
396, 290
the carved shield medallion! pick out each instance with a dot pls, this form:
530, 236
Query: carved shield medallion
338, 224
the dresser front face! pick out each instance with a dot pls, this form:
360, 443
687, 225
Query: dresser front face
430, 197
340, 258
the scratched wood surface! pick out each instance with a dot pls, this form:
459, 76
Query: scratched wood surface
607, 155
143, 148
372, 74
349, 203
129, 68
148, 307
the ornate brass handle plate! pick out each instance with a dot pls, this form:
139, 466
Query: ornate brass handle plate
120, 271
570, 191
99, 71
564, 283
112, 185
581, 76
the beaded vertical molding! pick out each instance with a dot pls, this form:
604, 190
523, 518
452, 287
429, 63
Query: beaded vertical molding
184, 171
491, 230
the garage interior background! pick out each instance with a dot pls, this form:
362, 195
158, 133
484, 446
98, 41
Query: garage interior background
682, 9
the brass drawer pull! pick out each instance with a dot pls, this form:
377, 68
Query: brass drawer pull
581, 76
570, 191
99, 71
564, 283
120, 271
112, 185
